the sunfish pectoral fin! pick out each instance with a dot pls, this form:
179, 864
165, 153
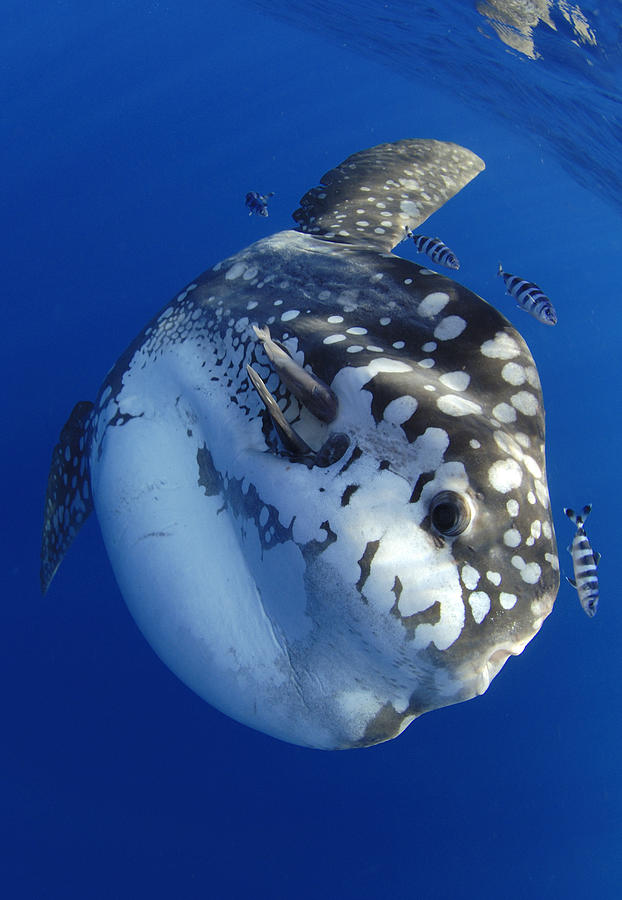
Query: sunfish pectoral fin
68, 499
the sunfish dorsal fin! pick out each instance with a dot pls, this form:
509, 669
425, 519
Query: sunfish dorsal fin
374, 195
68, 498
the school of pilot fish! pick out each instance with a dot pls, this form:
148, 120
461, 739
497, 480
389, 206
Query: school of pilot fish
319, 470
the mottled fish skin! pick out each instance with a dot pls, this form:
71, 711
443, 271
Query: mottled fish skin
584, 562
330, 605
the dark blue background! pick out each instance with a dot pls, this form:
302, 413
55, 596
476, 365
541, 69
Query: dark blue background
131, 132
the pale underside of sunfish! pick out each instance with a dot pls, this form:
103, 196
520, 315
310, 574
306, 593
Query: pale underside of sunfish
319, 471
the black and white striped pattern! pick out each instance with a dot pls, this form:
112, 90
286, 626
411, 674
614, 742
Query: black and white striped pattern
529, 297
584, 561
435, 249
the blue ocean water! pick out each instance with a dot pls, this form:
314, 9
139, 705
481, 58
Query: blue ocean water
132, 132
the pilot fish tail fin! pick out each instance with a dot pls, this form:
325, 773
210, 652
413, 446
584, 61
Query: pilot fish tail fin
578, 518
68, 501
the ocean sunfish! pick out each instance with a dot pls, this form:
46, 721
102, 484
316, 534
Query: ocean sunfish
319, 471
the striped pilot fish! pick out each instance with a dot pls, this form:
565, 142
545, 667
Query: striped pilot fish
319, 470
435, 249
585, 562
529, 297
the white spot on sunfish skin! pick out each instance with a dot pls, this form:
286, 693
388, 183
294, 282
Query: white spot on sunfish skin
525, 403
429, 347
289, 315
385, 320
453, 405
349, 381
529, 572
542, 492
532, 467
356, 330
449, 328
399, 345
512, 538
400, 410
250, 273
479, 601
512, 507
513, 374
334, 338
531, 498
455, 381
502, 346
504, 413
335, 320
505, 475
426, 363
506, 443
354, 348
433, 304
235, 271
552, 560
409, 208
470, 577
522, 438
507, 601
475, 444
494, 578
324, 295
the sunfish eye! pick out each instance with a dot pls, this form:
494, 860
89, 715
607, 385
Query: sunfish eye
450, 513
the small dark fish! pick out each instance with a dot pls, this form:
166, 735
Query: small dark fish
435, 249
584, 561
529, 297
258, 203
